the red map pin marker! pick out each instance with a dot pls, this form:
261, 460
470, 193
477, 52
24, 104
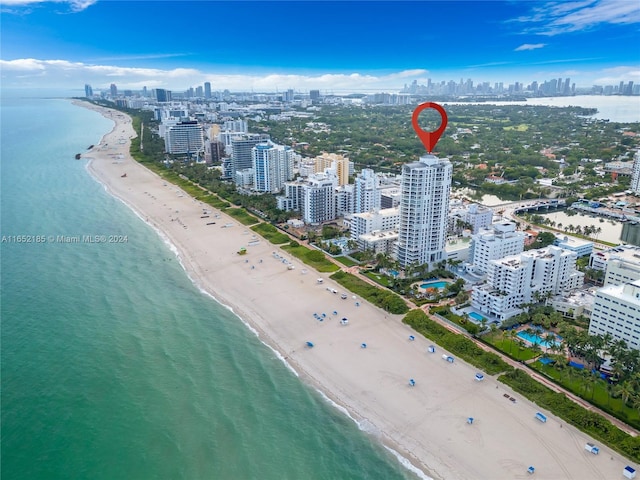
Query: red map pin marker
429, 139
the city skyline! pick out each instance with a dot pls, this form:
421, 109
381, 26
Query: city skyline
329, 46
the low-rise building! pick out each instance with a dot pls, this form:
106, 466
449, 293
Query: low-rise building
616, 311
530, 276
498, 241
580, 246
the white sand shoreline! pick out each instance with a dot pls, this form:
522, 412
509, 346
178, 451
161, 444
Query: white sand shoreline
425, 424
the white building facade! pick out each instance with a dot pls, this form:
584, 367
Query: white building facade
499, 241
424, 208
616, 310
518, 279
184, 138
366, 191
318, 199
272, 166
635, 174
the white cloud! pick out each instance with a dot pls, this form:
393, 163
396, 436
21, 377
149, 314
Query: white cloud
613, 76
30, 72
530, 46
554, 18
74, 5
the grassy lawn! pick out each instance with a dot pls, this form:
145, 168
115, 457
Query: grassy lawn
378, 278
596, 392
313, 258
346, 261
510, 347
241, 215
382, 298
271, 233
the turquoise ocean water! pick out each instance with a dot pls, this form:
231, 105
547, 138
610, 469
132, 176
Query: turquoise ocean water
114, 365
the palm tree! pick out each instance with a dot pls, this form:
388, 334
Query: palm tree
626, 391
537, 349
512, 335
550, 342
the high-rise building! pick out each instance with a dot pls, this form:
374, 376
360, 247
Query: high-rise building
207, 90
272, 166
162, 95
184, 138
314, 95
425, 185
114, 90
88, 91
635, 175
616, 311
241, 155
318, 198
367, 191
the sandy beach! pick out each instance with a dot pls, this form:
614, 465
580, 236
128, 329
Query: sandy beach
425, 423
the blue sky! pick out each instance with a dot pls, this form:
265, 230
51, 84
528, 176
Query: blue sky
329, 45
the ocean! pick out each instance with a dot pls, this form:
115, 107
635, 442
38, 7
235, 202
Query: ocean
114, 365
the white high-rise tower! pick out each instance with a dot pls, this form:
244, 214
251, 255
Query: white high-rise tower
635, 176
426, 185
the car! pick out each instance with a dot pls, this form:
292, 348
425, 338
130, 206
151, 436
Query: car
343, 296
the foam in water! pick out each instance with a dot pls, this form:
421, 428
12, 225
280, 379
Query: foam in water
369, 428
408, 465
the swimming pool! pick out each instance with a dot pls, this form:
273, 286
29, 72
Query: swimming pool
439, 285
476, 316
537, 340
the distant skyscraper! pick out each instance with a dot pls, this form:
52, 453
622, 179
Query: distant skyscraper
314, 95
207, 90
199, 92
144, 92
161, 95
426, 185
114, 90
88, 91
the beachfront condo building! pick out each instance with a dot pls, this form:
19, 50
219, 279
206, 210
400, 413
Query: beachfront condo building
519, 279
616, 310
318, 198
367, 191
498, 241
272, 166
241, 152
88, 91
184, 138
424, 210
377, 230
379, 220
